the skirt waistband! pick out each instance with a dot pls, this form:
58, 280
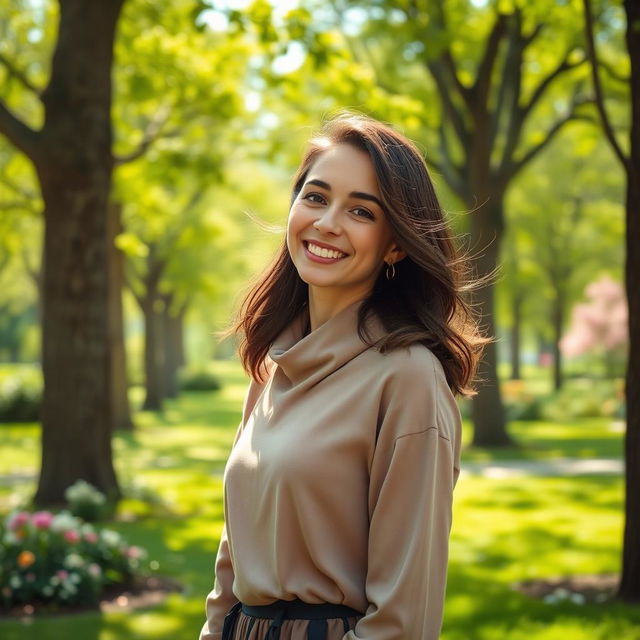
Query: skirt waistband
299, 610
282, 610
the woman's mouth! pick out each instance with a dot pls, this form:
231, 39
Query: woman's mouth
322, 254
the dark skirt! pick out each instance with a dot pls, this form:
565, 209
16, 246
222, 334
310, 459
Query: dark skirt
289, 620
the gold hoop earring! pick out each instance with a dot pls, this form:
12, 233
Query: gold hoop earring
391, 271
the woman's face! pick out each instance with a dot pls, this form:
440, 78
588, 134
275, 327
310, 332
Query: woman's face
337, 233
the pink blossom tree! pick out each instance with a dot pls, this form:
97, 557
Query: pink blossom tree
599, 326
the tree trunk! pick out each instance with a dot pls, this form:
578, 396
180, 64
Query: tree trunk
74, 165
516, 335
487, 408
152, 361
558, 314
173, 347
120, 389
630, 579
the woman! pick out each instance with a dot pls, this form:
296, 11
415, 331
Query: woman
339, 485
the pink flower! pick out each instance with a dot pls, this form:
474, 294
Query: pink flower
62, 574
72, 536
30, 577
42, 519
18, 520
133, 552
95, 570
91, 537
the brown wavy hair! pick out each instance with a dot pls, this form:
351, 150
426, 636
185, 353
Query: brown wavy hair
426, 300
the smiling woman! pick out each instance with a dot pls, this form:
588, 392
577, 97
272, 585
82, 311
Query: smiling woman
338, 235
338, 488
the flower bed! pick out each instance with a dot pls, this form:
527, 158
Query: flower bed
59, 560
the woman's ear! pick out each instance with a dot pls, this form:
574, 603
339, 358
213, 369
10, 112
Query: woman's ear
395, 254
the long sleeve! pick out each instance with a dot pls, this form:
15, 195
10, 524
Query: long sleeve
412, 476
221, 598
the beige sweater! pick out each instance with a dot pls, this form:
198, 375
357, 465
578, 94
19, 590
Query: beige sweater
339, 485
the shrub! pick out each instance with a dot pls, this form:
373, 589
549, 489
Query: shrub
520, 403
57, 559
599, 398
85, 501
199, 380
21, 398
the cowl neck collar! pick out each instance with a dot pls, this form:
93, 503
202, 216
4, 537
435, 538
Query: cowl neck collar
312, 357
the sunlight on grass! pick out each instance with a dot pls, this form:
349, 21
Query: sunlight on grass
505, 530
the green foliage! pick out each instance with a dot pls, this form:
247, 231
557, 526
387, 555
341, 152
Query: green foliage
593, 398
85, 501
580, 398
21, 397
199, 380
57, 560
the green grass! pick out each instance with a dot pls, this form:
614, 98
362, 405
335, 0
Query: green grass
539, 440
504, 530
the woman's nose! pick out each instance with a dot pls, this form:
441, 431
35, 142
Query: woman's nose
328, 221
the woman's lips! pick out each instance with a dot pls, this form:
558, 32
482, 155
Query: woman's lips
322, 253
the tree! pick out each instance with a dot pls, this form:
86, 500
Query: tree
498, 82
71, 153
600, 324
630, 162
564, 226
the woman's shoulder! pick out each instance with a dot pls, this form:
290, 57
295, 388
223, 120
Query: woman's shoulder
410, 365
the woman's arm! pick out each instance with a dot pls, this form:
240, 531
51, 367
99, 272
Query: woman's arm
413, 473
221, 598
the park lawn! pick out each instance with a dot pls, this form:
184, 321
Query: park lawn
505, 530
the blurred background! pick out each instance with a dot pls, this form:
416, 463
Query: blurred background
146, 152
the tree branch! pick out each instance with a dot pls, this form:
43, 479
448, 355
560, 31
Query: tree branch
546, 82
21, 76
18, 133
446, 59
152, 133
450, 110
485, 68
514, 167
510, 82
451, 172
597, 89
613, 74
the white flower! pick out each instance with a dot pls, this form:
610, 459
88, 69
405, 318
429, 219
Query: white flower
109, 537
64, 521
577, 598
47, 591
9, 538
74, 578
15, 582
73, 561
82, 491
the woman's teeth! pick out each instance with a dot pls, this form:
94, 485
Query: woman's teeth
324, 253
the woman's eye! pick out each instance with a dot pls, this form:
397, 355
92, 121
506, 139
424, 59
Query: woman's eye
361, 212
314, 197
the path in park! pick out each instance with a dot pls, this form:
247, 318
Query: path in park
490, 469
555, 467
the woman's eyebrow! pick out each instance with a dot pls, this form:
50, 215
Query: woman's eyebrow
354, 194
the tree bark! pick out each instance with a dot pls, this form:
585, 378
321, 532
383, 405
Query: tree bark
630, 579
120, 389
487, 408
74, 166
558, 314
152, 354
516, 335
173, 346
